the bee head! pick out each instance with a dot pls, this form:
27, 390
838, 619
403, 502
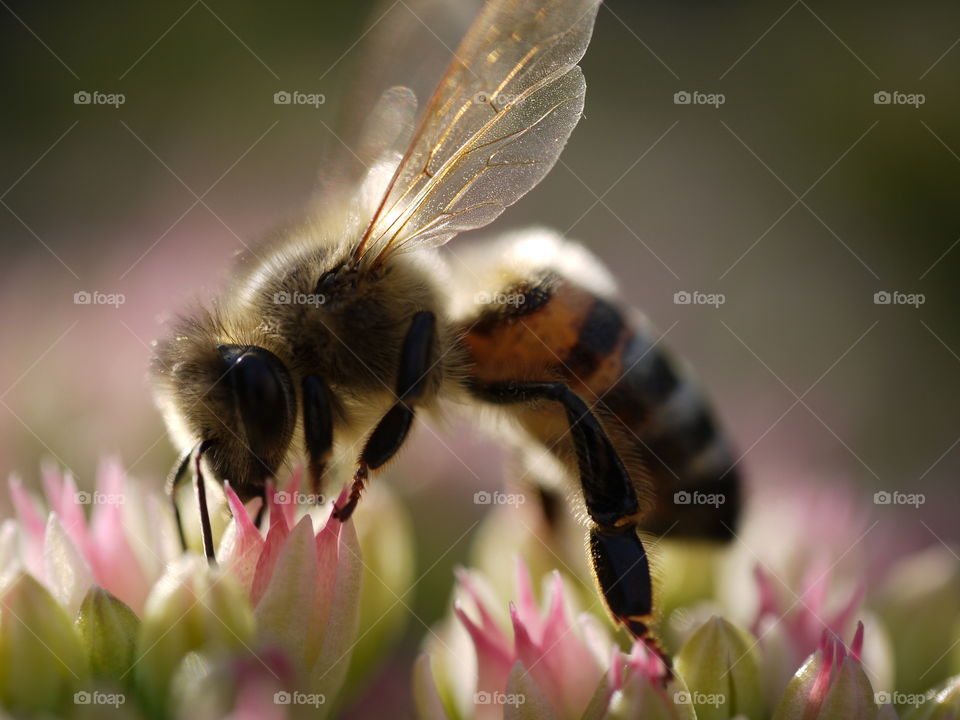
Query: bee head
237, 399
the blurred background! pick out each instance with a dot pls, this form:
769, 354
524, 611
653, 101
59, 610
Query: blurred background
786, 187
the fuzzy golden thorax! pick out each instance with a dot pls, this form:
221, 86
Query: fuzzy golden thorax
314, 314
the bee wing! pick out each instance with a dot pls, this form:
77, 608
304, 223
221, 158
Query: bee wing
396, 50
494, 127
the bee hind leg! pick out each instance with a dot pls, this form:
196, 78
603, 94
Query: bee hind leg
389, 434
617, 553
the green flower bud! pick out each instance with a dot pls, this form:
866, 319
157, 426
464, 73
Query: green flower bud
108, 629
647, 698
192, 607
831, 685
720, 665
942, 703
42, 663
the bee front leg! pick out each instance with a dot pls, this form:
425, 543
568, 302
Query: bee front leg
177, 477
317, 429
617, 553
388, 436
206, 530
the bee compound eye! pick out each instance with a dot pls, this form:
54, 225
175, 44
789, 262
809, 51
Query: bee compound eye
263, 396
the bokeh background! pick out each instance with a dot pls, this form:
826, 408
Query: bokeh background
798, 198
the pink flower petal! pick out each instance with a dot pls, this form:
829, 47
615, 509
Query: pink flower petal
289, 509
527, 609
286, 604
114, 563
276, 537
560, 661
494, 656
330, 668
242, 543
62, 496
32, 523
328, 549
856, 649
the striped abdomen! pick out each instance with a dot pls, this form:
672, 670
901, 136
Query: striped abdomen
680, 460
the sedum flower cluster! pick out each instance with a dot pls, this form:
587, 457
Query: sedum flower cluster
103, 614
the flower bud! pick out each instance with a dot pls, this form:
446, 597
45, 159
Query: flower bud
192, 607
942, 703
721, 668
108, 629
831, 685
42, 662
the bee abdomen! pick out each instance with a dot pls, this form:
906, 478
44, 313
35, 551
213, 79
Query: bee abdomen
656, 415
695, 482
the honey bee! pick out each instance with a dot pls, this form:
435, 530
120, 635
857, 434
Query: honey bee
337, 331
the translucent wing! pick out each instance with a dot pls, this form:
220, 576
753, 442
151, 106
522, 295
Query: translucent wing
371, 130
493, 128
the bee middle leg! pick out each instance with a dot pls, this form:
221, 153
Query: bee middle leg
389, 434
617, 553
